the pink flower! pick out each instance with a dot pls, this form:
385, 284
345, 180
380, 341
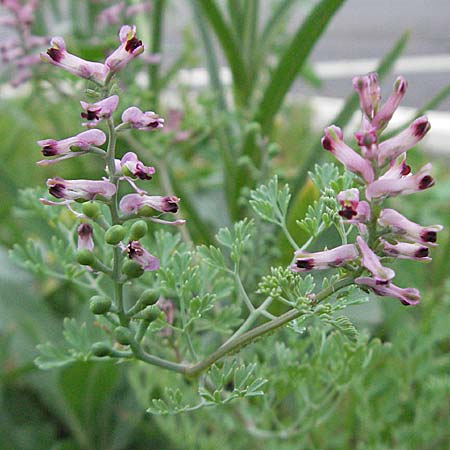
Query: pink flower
384, 115
369, 93
132, 203
305, 262
81, 141
333, 142
130, 47
142, 120
408, 296
58, 56
401, 225
130, 166
146, 260
80, 189
95, 112
85, 237
405, 250
372, 263
391, 148
388, 186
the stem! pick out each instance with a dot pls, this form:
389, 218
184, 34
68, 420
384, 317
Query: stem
236, 344
157, 29
288, 235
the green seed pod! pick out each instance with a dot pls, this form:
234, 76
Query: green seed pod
99, 304
151, 313
85, 257
101, 349
132, 269
115, 234
123, 335
91, 209
149, 297
138, 230
146, 211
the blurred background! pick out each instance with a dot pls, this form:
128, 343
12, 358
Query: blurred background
191, 74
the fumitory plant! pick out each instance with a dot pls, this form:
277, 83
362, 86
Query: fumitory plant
157, 299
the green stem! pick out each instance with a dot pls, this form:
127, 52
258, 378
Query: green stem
157, 30
236, 344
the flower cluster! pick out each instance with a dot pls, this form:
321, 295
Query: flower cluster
18, 48
92, 193
381, 166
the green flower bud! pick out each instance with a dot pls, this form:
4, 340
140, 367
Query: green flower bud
138, 230
101, 349
99, 304
149, 297
91, 209
85, 257
151, 313
132, 269
123, 335
115, 234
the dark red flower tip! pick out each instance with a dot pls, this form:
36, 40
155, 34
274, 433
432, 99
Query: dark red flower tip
421, 128
347, 213
405, 169
55, 54
132, 44
57, 190
426, 182
91, 115
429, 236
327, 144
422, 252
307, 264
49, 150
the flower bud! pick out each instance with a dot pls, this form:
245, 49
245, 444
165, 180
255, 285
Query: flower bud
91, 209
99, 304
85, 257
149, 297
123, 335
138, 230
132, 269
151, 313
115, 234
101, 349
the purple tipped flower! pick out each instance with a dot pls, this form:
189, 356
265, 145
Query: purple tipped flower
333, 142
368, 90
81, 141
80, 189
384, 115
58, 56
142, 120
391, 148
401, 225
349, 201
85, 237
305, 262
408, 296
130, 166
95, 112
372, 263
130, 47
132, 203
388, 186
138, 253
405, 250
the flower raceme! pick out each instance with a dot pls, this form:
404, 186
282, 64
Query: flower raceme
129, 168
383, 172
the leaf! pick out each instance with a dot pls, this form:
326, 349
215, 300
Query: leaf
212, 256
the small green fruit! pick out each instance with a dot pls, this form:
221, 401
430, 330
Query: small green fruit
99, 304
123, 335
151, 313
115, 234
85, 257
149, 297
101, 349
91, 209
138, 230
146, 211
132, 269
